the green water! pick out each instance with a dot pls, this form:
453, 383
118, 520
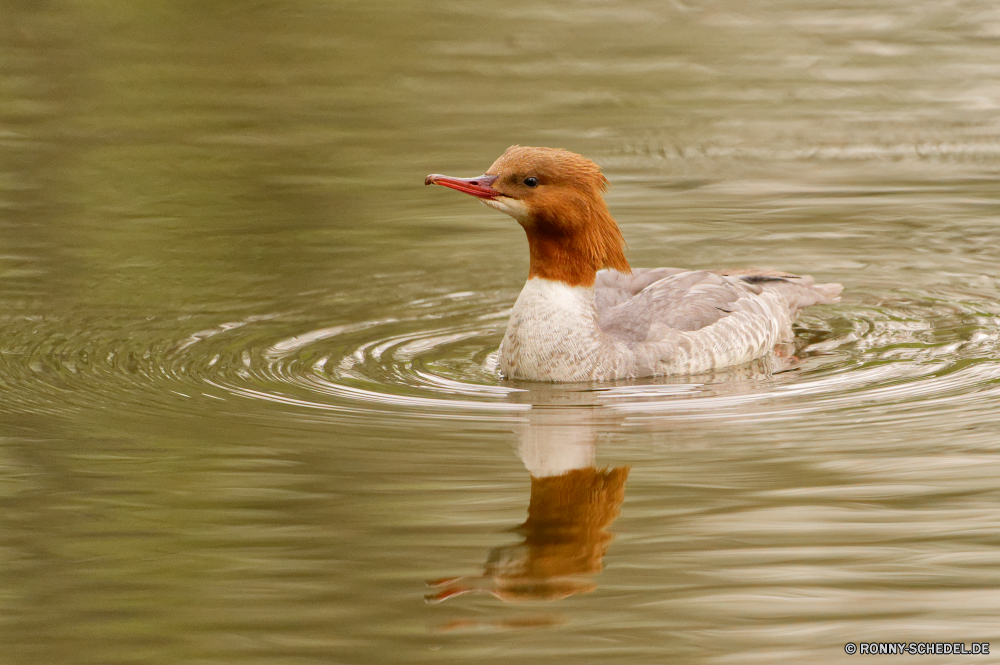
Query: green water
249, 406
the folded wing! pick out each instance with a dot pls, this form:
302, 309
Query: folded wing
642, 306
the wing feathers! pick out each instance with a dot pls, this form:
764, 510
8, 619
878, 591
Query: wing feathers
637, 308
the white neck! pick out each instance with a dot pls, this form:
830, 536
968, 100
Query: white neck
553, 333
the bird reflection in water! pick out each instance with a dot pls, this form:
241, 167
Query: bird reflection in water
572, 505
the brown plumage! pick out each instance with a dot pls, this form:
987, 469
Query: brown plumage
571, 233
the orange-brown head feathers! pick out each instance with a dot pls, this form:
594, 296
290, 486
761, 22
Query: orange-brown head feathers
557, 196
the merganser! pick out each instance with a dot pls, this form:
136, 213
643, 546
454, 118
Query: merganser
585, 315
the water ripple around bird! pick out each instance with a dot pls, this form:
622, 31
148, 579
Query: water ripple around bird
906, 355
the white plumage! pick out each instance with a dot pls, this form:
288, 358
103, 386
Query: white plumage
651, 323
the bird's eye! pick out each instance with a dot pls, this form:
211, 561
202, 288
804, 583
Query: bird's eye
531, 182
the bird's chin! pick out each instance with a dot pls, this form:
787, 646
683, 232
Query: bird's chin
512, 207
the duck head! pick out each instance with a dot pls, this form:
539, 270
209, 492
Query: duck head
557, 197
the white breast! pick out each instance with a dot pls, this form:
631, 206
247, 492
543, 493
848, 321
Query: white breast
553, 334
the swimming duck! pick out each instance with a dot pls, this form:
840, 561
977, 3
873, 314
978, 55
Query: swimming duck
585, 315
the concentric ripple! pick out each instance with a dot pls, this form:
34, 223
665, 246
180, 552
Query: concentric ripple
904, 355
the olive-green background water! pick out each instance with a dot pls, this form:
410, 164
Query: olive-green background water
248, 394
